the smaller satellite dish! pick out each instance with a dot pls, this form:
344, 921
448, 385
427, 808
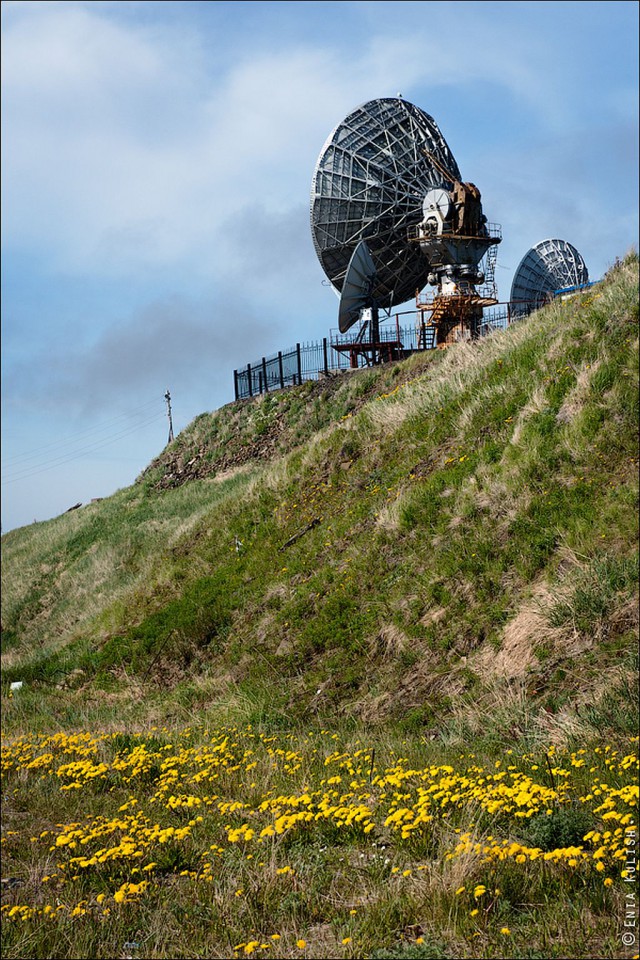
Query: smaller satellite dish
550, 266
357, 290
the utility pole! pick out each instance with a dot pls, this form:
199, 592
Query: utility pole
167, 397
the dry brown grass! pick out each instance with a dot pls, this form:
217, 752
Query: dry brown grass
389, 642
527, 629
433, 616
575, 400
536, 404
389, 517
494, 496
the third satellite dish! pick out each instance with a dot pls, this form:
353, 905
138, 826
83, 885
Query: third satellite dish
546, 269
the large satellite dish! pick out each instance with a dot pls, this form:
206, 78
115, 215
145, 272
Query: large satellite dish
550, 266
369, 183
389, 214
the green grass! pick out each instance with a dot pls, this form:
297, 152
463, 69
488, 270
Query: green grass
437, 558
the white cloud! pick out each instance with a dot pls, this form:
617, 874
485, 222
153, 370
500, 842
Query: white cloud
128, 149
157, 160
125, 151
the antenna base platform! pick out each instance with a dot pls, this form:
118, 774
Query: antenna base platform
456, 316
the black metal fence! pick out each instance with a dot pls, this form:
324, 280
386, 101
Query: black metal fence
305, 361
309, 361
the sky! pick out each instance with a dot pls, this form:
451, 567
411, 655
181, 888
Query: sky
156, 169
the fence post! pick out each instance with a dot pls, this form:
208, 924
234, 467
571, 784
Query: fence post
326, 357
280, 370
249, 379
299, 363
235, 383
264, 371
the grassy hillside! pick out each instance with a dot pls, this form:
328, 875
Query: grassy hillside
365, 575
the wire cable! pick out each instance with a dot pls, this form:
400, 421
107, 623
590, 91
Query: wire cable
24, 473
66, 441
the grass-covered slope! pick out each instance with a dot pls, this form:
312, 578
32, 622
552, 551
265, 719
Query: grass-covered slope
349, 671
441, 541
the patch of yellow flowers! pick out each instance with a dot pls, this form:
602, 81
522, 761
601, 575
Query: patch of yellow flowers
220, 794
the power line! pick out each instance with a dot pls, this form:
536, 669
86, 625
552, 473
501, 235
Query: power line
24, 473
71, 440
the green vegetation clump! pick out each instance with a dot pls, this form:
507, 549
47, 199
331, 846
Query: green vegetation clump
419, 579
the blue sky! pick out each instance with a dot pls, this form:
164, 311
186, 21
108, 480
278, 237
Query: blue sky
156, 167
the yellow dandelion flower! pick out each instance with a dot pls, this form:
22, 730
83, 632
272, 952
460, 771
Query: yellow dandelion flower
301, 944
505, 931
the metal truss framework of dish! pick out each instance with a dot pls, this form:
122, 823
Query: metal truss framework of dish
550, 266
369, 184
